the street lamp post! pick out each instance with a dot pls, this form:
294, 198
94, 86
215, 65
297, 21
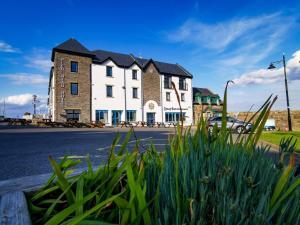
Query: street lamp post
272, 66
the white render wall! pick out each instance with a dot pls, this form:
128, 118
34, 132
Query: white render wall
117, 102
168, 106
99, 82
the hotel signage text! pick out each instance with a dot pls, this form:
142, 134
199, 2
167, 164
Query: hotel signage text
174, 109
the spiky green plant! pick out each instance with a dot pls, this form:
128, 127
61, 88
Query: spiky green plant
201, 178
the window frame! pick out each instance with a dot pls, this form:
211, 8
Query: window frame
105, 116
111, 69
109, 86
134, 74
133, 89
71, 66
168, 94
182, 83
131, 115
182, 95
167, 82
77, 89
75, 114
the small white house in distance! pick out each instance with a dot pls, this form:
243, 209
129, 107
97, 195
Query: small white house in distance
94, 86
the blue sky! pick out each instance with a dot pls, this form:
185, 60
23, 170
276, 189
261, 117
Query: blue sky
215, 41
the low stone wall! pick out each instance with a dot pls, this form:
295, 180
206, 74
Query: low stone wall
280, 118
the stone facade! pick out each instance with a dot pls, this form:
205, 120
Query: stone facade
63, 79
206, 111
280, 118
151, 84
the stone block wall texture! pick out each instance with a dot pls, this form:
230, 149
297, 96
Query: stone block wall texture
151, 84
206, 109
280, 118
82, 101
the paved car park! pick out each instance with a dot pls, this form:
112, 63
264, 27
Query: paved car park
25, 151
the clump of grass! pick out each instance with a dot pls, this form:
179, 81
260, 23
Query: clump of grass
201, 178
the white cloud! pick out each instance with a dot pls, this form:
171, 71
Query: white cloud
221, 35
264, 76
26, 78
17, 105
5, 47
39, 59
20, 100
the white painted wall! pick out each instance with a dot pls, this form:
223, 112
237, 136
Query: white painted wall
99, 82
185, 105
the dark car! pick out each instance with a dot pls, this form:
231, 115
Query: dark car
236, 125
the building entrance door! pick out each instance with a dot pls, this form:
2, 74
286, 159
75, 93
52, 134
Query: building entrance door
150, 118
116, 117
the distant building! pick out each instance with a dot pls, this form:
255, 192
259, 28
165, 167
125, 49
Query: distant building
112, 87
207, 103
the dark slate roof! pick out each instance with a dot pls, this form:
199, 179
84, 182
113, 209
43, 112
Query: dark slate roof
204, 92
72, 46
122, 60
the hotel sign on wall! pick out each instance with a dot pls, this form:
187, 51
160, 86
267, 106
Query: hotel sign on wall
174, 109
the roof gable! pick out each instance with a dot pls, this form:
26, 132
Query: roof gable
72, 46
204, 92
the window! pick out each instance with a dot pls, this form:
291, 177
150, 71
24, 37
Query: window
182, 97
74, 88
102, 116
134, 74
182, 84
109, 71
109, 91
134, 92
73, 114
74, 67
131, 115
173, 117
168, 96
167, 82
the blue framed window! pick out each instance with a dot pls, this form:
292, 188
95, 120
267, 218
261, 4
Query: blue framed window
109, 72
131, 115
109, 91
134, 93
74, 67
173, 117
102, 116
134, 74
74, 88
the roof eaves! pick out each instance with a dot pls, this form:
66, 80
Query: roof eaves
184, 70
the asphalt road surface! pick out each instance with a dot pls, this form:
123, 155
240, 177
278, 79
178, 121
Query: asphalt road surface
24, 152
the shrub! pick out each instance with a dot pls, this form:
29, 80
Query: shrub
201, 178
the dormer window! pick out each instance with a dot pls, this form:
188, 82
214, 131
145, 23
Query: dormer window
74, 67
109, 72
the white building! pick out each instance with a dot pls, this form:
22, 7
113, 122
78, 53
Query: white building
113, 87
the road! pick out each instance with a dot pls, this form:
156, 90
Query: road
24, 152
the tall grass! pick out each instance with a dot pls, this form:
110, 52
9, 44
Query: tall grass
201, 178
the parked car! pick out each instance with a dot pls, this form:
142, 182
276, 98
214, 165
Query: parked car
232, 124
